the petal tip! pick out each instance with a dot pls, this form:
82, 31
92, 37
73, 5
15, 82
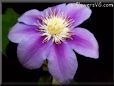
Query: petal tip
94, 55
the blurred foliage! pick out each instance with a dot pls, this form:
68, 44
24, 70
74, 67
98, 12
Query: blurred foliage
45, 79
9, 18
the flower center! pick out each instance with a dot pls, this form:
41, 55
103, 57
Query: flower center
55, 27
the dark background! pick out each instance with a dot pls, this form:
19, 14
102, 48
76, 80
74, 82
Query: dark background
90, 70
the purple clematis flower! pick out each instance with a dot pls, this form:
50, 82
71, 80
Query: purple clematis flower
53, 34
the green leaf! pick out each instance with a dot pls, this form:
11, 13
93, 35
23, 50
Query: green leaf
9, 18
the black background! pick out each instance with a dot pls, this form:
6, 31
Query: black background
89, 70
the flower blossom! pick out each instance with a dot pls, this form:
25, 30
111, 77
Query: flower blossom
52, 35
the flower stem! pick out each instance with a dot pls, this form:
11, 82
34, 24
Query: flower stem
55, 82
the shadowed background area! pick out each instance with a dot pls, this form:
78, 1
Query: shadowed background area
89, 70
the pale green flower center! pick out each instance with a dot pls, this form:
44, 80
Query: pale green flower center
55, 27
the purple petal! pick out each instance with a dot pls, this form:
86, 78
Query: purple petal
55, 9
84, 43
78, 13
62, 62
21, 32
30, 17
33, 52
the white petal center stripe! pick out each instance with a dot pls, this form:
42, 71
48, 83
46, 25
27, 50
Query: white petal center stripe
55, 27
